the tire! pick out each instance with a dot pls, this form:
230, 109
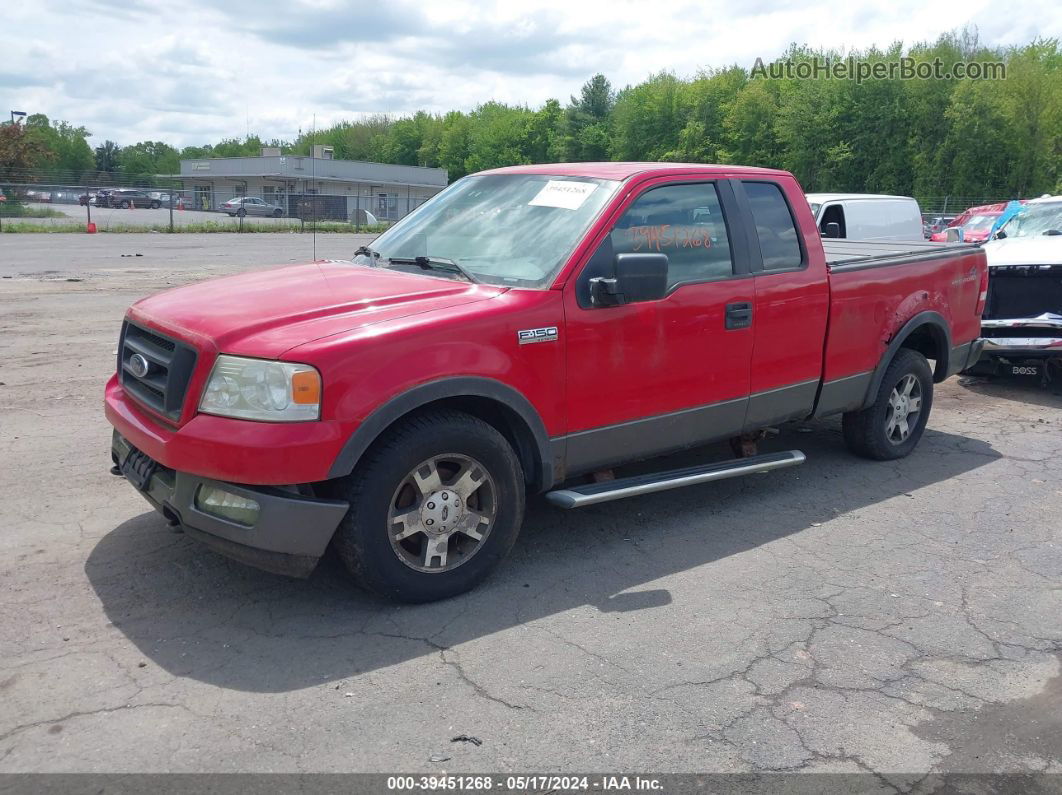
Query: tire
232, 215
876, 432
278, 213
241, 212
439, 450
123, 205
155, 205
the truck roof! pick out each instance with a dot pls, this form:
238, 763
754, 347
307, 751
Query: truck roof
622, 171
832, 197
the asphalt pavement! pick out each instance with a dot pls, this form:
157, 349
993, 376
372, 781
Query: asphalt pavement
892, 619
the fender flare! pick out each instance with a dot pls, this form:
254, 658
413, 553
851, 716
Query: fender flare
384, 415
927, 318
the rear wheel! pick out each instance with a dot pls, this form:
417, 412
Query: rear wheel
123, 205
277, 213
892, 426
155, 205
435, 505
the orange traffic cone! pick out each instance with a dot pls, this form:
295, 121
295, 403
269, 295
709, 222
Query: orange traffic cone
90, 229
180, 202
132, 204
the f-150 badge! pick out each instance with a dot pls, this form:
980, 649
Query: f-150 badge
528, 335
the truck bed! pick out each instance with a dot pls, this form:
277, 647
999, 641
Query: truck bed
860, 254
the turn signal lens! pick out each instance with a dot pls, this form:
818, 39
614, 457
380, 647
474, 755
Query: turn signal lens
306, 388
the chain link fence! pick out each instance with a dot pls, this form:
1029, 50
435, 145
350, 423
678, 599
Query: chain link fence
123, 205
37, 201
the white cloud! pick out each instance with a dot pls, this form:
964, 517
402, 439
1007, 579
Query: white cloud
194, 71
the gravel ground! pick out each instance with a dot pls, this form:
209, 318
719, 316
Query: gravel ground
898, 618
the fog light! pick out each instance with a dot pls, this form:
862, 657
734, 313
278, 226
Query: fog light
226, 505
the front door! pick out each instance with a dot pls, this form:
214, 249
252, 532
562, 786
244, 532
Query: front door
650, 377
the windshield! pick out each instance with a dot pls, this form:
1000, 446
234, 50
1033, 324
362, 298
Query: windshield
979, 222
1036, 219
510, 229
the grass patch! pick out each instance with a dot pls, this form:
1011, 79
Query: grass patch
21, 211
209, 227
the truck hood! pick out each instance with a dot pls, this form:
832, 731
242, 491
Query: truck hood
266, 313
1036, 250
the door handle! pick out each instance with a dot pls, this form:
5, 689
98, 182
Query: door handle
739, 315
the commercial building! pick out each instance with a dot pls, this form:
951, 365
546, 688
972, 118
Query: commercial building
322, 185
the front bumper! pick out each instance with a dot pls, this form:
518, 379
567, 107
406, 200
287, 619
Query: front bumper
1022, 347
230, 450
289, 536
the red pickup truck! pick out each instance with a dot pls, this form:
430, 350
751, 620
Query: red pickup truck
527, 326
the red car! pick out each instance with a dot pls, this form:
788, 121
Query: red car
976, 223
526, 327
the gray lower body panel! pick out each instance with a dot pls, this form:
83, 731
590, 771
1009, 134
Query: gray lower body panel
782, 404
843, 394
644, 438
289, 536
963, 356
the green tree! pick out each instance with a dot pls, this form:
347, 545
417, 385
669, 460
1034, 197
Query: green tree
107, 155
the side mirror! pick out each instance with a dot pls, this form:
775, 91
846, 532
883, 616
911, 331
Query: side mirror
1000, 235
639, 277
832, 229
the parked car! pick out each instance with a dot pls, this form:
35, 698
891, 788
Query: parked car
123, 198
937, 223
975, 223
1022, 322
867, 216
250, 205
565, 319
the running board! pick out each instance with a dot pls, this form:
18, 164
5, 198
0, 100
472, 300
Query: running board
593, 493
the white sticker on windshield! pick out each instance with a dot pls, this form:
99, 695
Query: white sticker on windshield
563, 193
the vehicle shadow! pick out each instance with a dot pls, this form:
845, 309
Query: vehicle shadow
201, 616
1022, 390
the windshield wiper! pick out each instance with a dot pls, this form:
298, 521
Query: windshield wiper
435, 263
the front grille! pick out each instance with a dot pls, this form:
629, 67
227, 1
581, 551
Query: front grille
1016, 291
170, 364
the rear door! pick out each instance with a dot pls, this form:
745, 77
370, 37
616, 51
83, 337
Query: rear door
791, 304
660, 375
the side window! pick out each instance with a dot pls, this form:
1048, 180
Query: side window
683, 221
833, 214
777, 232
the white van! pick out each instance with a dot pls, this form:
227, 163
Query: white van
867, 216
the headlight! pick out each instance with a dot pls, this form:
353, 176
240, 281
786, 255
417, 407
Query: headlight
259, 389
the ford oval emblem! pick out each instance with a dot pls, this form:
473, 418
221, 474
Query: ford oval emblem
138, 365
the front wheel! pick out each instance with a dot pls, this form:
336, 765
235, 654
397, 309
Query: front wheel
891, 427
435, 506
277, 213
241, 212
156, 205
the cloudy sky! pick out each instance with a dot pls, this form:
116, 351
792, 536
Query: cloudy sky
194, 71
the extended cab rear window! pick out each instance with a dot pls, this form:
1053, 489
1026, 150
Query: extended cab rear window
775, 227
